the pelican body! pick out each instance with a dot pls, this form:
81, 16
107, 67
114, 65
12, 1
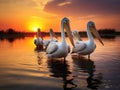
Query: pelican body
61, 49
39, 40
87, 47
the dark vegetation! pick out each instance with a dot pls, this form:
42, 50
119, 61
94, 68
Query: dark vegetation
108, 33
11, 34
104, 33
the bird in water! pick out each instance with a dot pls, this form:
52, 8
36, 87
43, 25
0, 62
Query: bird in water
53, 38
38, 41
61, 49
86, 47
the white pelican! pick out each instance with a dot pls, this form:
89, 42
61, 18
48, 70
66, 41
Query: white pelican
53, 38
87, 47
76, 35
39, 40
61, 49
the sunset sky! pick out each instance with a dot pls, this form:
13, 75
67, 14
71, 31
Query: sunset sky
28, 15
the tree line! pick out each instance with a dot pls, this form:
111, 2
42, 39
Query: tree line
11, 32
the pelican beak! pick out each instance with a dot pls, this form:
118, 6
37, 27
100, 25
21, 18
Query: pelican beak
69, 33
78, 36
94, 31
55, 35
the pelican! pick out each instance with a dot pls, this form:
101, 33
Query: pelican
76, 35
61, 49
39, 40
53, 38
87, 47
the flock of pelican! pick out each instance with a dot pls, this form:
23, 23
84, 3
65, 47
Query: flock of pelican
55, 49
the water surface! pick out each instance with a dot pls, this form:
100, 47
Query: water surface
22, 66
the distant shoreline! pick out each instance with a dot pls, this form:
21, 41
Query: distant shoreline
10, 33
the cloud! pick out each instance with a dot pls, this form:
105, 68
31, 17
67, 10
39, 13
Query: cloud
26, 4
83, 7
64, 3
41, 3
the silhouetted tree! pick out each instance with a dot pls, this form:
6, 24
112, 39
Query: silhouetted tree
10, 31
2, 32
107, 31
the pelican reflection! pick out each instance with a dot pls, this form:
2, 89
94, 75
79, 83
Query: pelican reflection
88, 66
38, 49
60, 69
39, 53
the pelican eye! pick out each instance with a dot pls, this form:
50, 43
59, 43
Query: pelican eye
92, 24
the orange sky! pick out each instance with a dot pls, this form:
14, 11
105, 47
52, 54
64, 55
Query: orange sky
28, 15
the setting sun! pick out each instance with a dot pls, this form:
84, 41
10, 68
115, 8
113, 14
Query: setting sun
33, 25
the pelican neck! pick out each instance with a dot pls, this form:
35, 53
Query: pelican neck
89, 34
62, 33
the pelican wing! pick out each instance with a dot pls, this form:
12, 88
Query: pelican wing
79, 47
52, 47
46, 42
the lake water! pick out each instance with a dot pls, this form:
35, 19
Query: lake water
23, 67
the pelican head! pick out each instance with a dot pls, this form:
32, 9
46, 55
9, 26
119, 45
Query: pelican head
52, 33
39, 33
51, 30
38, 29
66, 26
76, 35
92, 28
